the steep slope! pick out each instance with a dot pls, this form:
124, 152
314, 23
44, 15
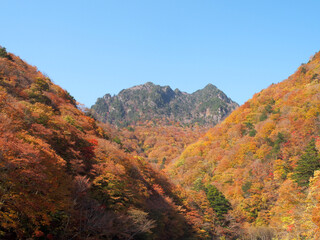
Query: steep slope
265, 159
65, 176
149, 101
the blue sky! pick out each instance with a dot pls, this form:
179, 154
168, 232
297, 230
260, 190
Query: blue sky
96, 47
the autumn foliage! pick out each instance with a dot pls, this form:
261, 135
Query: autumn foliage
65, 176
264, 158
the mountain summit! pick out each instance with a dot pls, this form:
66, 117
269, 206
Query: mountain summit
207, 106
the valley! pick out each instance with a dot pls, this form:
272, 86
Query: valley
157, 163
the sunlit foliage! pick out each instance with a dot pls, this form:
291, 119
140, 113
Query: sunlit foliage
264, 157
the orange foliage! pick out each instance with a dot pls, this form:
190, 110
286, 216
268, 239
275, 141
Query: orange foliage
65, 176
252, 154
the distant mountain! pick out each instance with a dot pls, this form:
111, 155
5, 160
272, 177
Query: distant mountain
207, 106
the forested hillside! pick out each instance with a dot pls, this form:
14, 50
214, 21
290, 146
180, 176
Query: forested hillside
207, 106
65, 176
158, 142
265, 159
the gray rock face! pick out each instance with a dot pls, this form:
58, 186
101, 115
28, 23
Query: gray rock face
207, 106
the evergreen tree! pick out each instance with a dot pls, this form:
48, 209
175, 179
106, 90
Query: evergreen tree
307, 164
218, 201
4, 54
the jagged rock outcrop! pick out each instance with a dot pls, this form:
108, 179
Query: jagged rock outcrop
207, 106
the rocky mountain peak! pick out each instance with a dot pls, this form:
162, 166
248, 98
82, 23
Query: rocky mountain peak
150, 101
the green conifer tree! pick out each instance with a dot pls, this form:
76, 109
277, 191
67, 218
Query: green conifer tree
218, 201
307, 164
3, 52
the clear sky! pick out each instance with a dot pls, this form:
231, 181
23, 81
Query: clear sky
94, 47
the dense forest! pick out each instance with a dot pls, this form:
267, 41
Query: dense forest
65, 175
265, 159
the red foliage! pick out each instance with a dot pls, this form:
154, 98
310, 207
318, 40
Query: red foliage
88, 151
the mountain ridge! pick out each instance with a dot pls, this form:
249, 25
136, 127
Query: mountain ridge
149, 101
